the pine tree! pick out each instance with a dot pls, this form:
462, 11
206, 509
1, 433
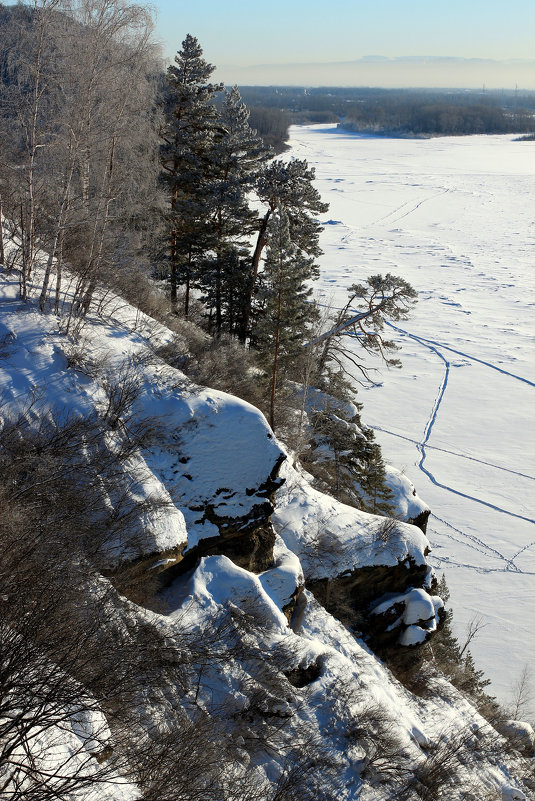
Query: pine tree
286, 311
236, 156
287, 187
345, 460
377, 496
457, 666
191, 127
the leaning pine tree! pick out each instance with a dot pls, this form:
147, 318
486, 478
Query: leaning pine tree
286, 312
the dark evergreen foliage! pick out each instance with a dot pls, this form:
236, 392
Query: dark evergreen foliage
285, 313
457, 662
191, 127
345, 460
236, 156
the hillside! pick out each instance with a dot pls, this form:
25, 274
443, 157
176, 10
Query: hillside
212, 587
223, 542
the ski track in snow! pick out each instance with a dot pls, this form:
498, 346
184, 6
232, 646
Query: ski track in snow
433, 346
423, 340
438, 561
410, 211
522, 550
477, 544
452, 453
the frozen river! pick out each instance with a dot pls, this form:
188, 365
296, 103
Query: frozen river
455, 217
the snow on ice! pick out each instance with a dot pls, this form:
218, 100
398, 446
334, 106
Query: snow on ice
454, 217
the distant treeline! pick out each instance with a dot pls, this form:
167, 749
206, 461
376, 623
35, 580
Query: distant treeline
405, 112
437, 119
272, 124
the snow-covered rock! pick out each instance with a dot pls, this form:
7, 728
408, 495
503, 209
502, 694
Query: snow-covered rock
510, 793
214, 462
331, 538
413, 616
408, 505
521, 733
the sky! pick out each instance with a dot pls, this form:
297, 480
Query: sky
256, 42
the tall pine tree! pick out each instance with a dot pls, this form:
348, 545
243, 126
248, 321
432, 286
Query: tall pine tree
286, 312
286, 187
237, 155
191, 128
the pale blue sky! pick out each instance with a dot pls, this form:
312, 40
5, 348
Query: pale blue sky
254, 32
265, 41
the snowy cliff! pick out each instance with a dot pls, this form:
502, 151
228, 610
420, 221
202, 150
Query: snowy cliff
249, 559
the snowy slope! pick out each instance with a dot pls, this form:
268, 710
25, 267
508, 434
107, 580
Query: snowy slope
192, 464
331, 538
213, 453
287, 691
454, 217
376, 735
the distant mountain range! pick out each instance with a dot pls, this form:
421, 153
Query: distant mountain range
377, 70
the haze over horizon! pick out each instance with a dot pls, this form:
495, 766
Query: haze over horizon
380, 43
389, 73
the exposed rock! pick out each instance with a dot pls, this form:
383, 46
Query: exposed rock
521, 734
409, 619
139, 579
302, 676
354, 596
290, 608
421, 520
250, 547
248, 541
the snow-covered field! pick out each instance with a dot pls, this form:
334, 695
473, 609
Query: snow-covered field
454, 216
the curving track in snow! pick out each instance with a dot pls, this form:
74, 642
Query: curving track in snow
468, 251
429, 447
433, 347
429, 342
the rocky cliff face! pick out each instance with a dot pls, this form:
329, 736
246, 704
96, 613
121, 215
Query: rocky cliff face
372, 602
220, 569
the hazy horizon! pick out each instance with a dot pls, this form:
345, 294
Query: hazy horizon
310, 43
390, 73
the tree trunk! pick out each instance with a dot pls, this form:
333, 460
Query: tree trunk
62, 213
260, 244
275, 361
172, 274
218, 314
186, 298
2, 251
58, 274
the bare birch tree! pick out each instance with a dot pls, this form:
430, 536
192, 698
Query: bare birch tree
81, 95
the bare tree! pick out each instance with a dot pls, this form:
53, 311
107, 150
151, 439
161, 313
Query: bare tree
475, 625
81, 109
522, 694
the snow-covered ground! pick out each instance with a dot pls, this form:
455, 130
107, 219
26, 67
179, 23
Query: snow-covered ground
454, 216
